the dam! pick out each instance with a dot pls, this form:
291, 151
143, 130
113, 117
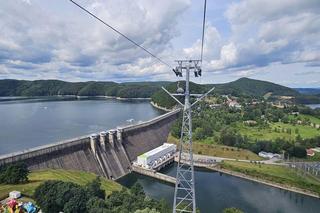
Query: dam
109, 153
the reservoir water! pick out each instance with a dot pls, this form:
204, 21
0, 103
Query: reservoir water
313, 106
216, 191
26, 123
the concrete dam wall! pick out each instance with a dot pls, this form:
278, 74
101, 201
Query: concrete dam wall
109, 153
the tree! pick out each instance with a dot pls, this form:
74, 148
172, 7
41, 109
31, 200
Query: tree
94, 189
14, 173
176, 128
98, 205
77, 202
228, 137
147, 210
199, 133
44, 196
232, 210
297, 151
56, 196
137, 190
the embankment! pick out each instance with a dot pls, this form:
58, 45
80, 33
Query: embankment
265, 182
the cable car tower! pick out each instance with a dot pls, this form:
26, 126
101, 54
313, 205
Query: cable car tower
184, 195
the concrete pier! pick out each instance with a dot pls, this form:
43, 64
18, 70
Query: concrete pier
103, 140
154, 174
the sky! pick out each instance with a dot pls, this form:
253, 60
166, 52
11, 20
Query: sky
270, 40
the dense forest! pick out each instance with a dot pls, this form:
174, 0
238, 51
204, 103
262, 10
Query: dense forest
269, 129
243, 87
57, 196
91, 88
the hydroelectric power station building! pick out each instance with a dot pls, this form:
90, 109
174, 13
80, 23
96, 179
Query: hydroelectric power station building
156, 156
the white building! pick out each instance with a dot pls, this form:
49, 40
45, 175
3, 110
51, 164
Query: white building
14, 194
157, 155
234, 104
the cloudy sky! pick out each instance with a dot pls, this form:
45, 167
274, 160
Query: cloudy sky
269, 40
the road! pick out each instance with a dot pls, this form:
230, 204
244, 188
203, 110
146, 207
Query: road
213, 159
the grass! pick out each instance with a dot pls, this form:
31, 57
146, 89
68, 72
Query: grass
276, 174
316, 157
219, 150
312, 119
270, 134
38, 177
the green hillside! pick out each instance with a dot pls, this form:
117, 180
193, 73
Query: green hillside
251, 87
40, 176
10, 87
243, 87
163, 99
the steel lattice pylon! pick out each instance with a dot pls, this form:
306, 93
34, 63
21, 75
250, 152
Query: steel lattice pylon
184, 195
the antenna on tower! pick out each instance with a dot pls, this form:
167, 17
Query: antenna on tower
184, 195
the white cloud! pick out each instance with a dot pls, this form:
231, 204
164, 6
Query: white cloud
228, 57
265, 32
247, 11
55, 39
212, 44
72, 41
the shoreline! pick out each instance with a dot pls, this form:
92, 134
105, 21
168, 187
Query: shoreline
159, 107
8, 98
266, 182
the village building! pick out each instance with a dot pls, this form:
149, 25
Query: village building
250, 122
310, 152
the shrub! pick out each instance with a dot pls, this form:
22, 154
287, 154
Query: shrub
14, 173
232, 210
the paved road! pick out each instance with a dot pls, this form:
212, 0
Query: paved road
213, 159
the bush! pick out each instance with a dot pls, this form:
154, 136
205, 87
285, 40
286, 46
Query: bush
94, 189
57, 196
298, 151
52, 196
232, 210
14, 173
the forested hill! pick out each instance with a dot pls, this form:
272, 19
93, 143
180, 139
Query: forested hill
91, 88
241, 87
251, 87
309, 91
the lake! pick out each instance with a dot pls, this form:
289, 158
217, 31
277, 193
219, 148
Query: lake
216, 191
313, 106
26, 123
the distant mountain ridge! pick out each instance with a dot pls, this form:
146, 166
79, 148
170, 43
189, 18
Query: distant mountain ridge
9, 87
251, 87
241, 87
308, 91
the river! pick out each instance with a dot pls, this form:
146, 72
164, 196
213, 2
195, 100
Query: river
26, 123
216, 191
